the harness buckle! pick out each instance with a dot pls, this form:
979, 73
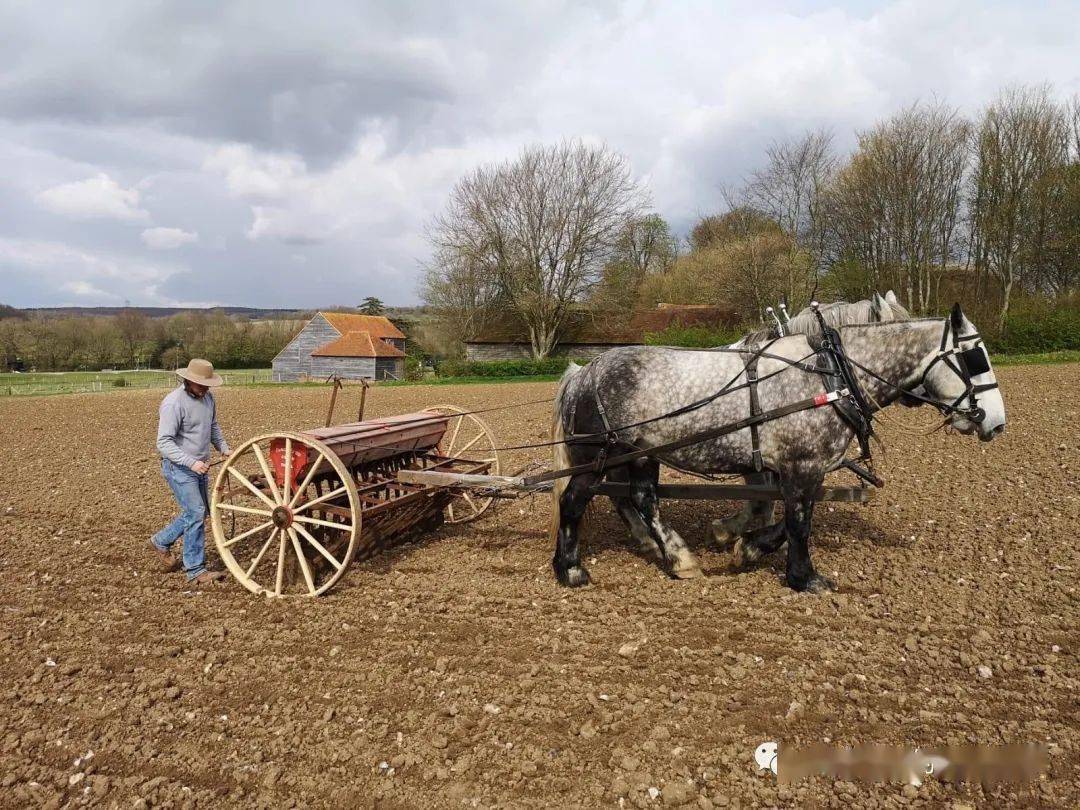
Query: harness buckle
610, 440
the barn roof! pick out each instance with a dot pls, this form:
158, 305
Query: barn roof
614, 328
357, 344
375, 325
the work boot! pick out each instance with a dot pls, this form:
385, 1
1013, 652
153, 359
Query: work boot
166, 561
207, 578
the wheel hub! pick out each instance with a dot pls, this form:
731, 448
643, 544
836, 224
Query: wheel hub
282, 517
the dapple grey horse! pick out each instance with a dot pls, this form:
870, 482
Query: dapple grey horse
877, 309
638, 387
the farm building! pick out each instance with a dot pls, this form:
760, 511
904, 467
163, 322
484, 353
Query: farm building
351, 346
591, 333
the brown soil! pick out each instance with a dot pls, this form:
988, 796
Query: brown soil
454, 671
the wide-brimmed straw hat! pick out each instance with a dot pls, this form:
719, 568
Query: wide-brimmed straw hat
200, 372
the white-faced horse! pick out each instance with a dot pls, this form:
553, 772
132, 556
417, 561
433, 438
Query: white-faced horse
877, 309
644, 397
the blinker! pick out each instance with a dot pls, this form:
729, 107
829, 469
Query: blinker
976, 361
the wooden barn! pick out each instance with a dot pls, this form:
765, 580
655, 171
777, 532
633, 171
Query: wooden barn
590, 333
351, 346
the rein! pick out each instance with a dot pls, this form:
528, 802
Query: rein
969, 363
602, 462
610, 434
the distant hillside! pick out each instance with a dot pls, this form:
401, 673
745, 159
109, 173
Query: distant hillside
251, 313
161, 312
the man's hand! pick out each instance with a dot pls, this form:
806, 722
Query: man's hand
200, 467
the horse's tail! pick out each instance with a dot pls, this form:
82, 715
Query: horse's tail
559, 451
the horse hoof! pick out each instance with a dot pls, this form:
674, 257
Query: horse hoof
574, 577
687, 572
820, 584
745, 553
813, 584
722, 537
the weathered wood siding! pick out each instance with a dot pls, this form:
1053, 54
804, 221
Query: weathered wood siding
348, 368
389, 368
320, 368
522, 351
497, 351
295, 362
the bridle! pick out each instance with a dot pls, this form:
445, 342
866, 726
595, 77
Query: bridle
965, 364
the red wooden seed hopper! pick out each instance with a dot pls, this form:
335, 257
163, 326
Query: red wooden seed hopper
291, 509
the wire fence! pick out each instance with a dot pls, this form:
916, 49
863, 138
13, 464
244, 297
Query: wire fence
38, 384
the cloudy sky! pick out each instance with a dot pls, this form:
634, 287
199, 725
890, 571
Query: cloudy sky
290, 154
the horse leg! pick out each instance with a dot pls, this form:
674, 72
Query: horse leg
638, 530
754, 515
567, 561
624, 507
644, 477
798, 516
727, 530
756, 543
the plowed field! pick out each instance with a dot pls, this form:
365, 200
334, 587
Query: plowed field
455, 672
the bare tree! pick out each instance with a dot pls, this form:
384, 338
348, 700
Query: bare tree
463, 293
134, 328
790, 189
1074, 128
1021, 149
896, 206
645, 244
739, 221
645, 247
1061, 273
9, 342
741, 258
543, 226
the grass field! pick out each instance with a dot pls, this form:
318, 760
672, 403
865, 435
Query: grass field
75, 382
1065, 356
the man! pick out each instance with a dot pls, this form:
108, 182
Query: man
187, 426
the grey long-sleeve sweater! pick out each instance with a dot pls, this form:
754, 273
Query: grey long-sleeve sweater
187, 426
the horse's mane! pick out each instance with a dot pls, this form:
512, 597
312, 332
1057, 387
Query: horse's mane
836, 314
926, 319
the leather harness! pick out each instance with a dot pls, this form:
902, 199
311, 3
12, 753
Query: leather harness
843, 392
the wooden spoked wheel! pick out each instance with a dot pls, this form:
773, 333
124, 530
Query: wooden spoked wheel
285, 515
469, 438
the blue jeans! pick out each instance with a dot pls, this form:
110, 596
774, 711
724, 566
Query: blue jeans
190, 490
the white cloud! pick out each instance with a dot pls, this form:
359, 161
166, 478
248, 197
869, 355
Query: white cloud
98, 197
255, 175
374, 196
84, 290
47, 257
167, 238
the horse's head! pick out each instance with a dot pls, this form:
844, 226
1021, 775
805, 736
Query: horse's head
959, 377
888, 308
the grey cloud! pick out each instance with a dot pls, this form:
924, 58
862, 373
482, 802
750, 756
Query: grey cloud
307, 145
286, 78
